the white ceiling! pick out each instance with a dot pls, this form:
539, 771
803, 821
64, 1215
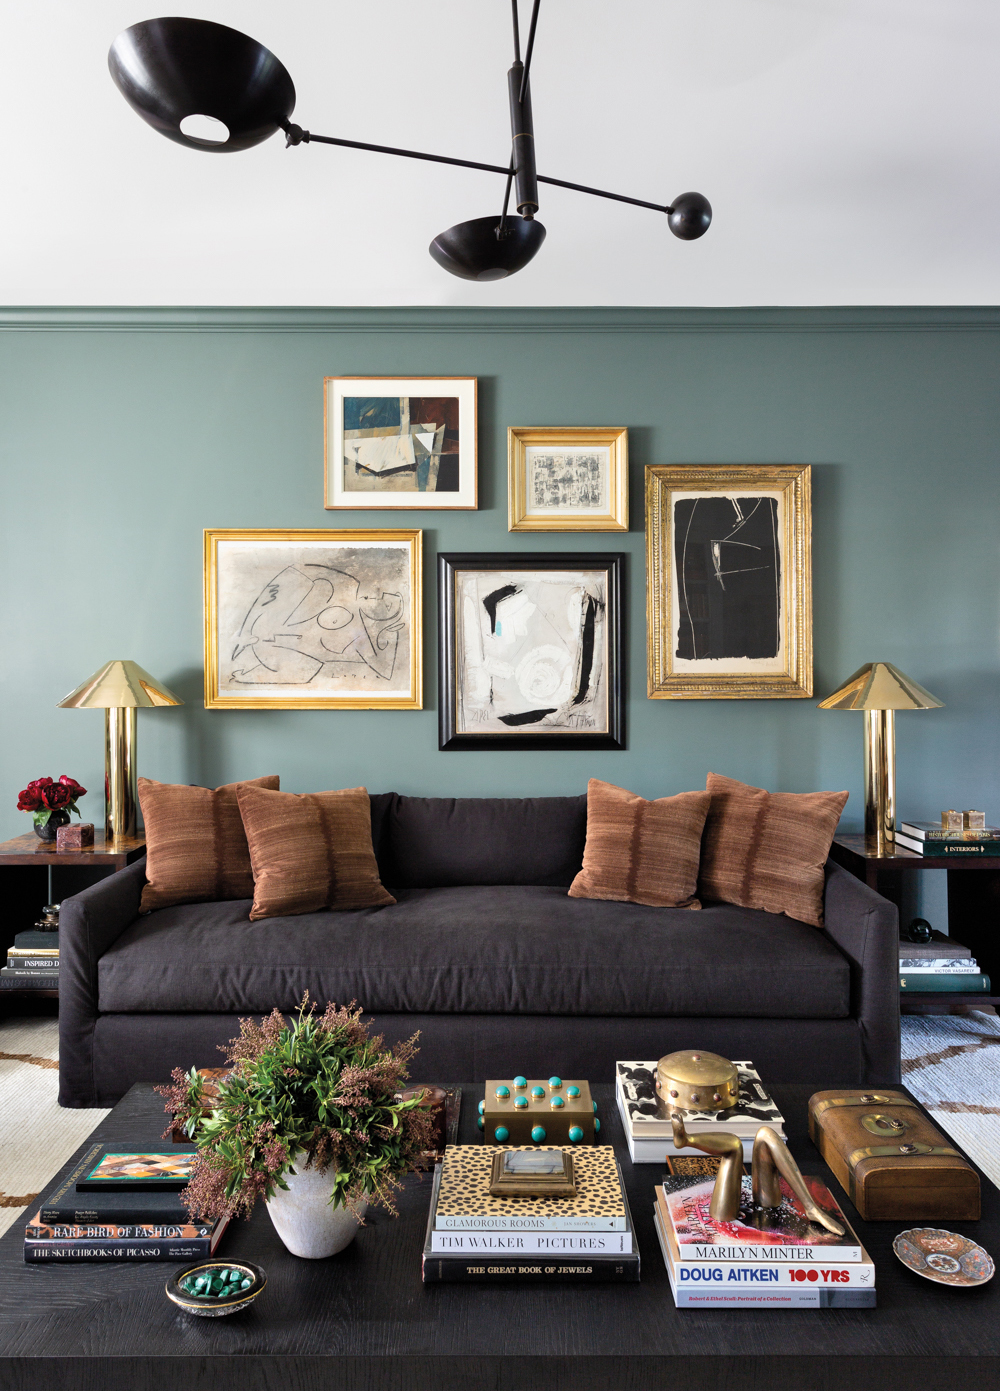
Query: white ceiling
849, 149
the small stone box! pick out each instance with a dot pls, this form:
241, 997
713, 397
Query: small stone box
78, 837
538, 1111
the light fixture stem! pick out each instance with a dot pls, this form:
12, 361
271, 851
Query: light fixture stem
517, 33
506, 197
306, 137
531, 45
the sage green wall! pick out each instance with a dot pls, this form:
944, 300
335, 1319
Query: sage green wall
125, 432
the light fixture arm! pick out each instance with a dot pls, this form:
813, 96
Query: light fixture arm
531, 47
295, 135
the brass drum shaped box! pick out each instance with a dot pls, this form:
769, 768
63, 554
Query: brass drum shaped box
532, 1111
697, 1082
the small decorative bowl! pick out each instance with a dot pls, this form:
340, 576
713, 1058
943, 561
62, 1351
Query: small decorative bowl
946, 1257
216, 1306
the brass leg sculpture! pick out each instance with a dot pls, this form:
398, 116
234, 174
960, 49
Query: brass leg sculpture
771, 1158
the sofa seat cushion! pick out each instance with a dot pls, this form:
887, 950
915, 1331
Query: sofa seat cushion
501, 950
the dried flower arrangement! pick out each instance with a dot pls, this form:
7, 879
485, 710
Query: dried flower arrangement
322, 1085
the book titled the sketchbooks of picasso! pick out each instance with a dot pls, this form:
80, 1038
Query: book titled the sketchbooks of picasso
784, 1233
142, 1172
123, 1248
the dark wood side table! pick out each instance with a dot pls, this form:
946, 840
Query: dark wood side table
973, 903
33, 873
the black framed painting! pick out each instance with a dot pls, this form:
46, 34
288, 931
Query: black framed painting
530, 650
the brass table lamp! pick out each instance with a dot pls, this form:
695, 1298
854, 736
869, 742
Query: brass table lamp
880, 689
120, 688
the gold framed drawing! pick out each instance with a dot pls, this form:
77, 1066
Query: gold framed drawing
399, 442
313, 620
728, 581
567, 478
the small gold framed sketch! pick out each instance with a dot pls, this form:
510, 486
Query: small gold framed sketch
729, 581
313, 620
567, 478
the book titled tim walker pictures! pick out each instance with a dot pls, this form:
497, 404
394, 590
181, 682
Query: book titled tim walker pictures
647, 1124
776, 1258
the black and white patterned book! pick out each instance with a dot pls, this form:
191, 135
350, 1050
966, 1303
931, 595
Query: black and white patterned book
648, 1119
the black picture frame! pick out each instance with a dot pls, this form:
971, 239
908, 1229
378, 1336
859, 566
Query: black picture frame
612, 735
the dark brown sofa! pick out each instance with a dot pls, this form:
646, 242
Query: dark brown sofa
489, 958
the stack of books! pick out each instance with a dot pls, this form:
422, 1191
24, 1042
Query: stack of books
773, 1259
476, 1238
940, 965
32, 962
120, 1207
930, 838
647, 1124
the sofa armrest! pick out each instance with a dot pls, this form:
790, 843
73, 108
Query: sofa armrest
88, 924
865, 927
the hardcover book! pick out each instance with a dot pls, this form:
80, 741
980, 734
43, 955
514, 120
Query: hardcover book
756, 1234
465, 1203
125, 1248
646, 1117
104, 1207
939, 945
33, 938
142, 1172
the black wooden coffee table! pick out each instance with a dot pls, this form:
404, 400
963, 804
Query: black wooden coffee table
362, 1321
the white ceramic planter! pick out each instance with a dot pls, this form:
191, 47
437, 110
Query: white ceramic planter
303, 1217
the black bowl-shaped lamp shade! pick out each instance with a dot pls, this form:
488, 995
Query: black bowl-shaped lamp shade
170, 69
473, 250
690, 216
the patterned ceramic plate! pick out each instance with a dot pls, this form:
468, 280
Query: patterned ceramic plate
943, 1256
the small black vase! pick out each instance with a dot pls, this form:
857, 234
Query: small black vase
57, 818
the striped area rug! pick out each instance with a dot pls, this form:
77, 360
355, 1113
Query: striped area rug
951, 1063
38, 1134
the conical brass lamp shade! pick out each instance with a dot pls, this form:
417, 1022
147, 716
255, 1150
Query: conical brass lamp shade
119, 688
880, 689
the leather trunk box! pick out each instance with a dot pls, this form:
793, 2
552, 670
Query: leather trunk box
892, 1162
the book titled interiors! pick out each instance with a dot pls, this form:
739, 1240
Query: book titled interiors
138, 1173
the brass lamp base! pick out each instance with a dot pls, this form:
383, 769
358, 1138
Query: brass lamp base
121, 794
880, 781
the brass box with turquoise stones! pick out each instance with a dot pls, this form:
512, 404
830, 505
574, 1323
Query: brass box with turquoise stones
520, 1124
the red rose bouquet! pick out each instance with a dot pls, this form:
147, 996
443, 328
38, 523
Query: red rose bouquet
43, 797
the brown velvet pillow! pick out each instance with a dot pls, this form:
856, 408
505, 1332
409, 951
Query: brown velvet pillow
310, 851
639, 851
767, 849
196, 847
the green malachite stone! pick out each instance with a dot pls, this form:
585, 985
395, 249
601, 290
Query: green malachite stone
481, 1122
555, 1081
572, 1091
538, 1134
503, 1093
575, 1134
520, 1082
501, 1134
482, 1107
557, 1101
520, 1102
538, 1092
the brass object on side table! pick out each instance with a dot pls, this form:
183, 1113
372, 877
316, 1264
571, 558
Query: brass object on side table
771, 1163
698, 1081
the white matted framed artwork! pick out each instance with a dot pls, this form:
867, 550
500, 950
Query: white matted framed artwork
567, 478
530, 651
400, 442
729, 581
313, 620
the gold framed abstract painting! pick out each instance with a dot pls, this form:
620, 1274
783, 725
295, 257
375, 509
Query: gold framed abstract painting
729, 581
313, 620
400, 442
567, 478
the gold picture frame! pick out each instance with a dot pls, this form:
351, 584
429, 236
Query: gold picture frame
400, 443
313, 619
716, 627
567, 478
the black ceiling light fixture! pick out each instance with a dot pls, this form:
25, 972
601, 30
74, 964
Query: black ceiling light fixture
212, 88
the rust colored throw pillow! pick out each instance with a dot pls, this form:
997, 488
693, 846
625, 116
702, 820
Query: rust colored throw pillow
639, 851
196, 847
310, 851
767, 849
